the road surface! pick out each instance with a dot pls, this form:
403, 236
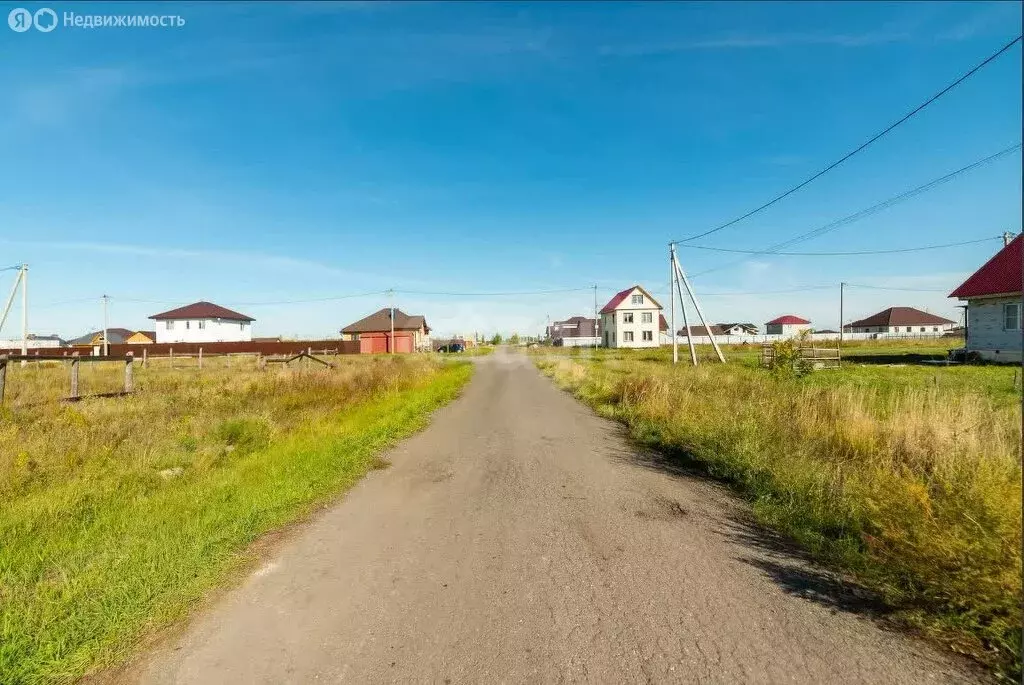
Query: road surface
520, 538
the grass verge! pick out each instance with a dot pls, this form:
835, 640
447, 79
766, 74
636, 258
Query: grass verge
914, 489
97, 552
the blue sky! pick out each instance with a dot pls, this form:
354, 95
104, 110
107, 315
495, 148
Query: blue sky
269, 152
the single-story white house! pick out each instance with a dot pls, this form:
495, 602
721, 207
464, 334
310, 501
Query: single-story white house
632, 318
903, 321
202, 322
788, 325
993, 296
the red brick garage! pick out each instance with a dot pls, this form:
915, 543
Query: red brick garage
374, 332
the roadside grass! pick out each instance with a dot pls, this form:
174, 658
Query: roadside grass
121, 513
906, 477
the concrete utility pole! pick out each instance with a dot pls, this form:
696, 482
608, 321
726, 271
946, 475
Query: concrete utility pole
24, 311
597, 331
106, 340
391, 297
842, 288
672, 300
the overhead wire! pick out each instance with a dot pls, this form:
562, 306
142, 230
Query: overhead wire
873, 209
849, 253
861, 147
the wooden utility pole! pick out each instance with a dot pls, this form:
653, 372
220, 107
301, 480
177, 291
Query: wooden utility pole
106, 340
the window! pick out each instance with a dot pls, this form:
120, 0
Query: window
170, 325
648, 335
1011, 316
922, 329
646, 317
241, 326
627, 336
910, 329
935, 329
187, 323
627, 317
202, 325
637, 299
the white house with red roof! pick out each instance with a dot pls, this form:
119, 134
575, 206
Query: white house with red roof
632, 318
202, 322
993, 296
788, 325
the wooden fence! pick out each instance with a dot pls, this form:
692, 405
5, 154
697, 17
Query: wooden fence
817, 357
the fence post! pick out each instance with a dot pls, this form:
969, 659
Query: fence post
129, 381
261, 363
74, 378
200, 358
171, 353
144, 358
3, 377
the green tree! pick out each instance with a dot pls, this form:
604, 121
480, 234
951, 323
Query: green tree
514, 339
497, 339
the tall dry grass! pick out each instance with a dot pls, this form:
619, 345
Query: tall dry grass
915, 490
119, 513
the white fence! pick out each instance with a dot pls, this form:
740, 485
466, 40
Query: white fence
582, 341
666, 339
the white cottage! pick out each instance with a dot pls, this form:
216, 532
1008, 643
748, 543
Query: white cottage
788, 325
632, 318
993, 296
202, 322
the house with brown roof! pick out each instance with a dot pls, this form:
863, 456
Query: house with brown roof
389, 330
141, 338
202, 322
576, 331
903, 321
632, 318
993, 296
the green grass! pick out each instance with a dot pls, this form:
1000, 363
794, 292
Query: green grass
105, 543
906, 477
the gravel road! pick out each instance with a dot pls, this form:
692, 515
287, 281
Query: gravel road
520, 538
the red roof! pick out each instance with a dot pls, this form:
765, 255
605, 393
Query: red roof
788, 319
620, 296
1000, 275
202, 310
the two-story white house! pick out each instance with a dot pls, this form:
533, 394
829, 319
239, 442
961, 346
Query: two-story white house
201, 322
993, 296
788, 325
632, 318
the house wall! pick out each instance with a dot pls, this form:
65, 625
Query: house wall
614, 325
213, 330
15, 344
933, 329
786, 330
985, 332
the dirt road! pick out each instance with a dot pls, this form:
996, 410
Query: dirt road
521, 539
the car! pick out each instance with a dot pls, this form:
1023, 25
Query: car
452, 347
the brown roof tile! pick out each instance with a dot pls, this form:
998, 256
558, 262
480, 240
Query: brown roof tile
202, 310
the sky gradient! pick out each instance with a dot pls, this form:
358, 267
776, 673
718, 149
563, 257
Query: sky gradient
267, 153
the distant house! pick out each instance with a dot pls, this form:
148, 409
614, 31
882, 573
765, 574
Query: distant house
787, 325
374, 332
116, 337
141, 338
574, 331
33, 342
632, 318
902, 320
993, 296
701, 331
737, 329
202, 322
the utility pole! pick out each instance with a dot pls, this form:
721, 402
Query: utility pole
681, 277
842, 289
391, 298
24, 311
672, 299
597, 331
106, 341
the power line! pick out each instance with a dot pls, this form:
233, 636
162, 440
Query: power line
884, 287
874, 209
863, 146
848, 254
501, 294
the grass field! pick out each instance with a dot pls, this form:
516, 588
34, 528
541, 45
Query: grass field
120, 513
905, 476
